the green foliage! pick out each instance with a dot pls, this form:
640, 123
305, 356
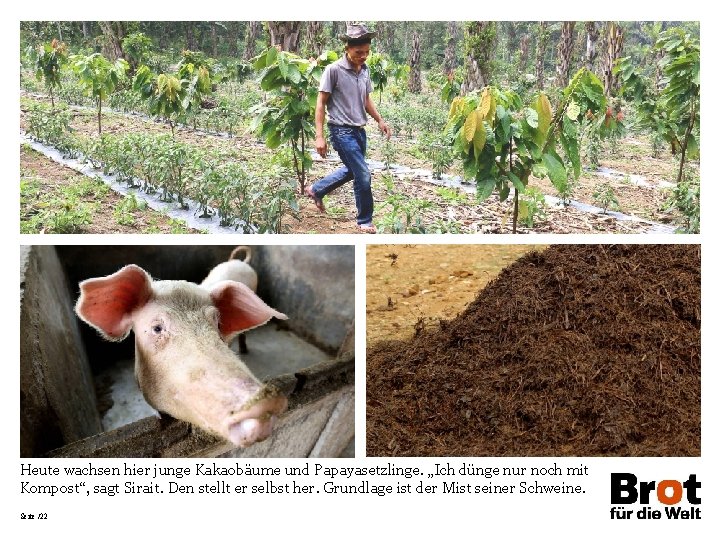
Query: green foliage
452, 196
502, 142
439, 152
403, 212
389, 152
604, 196
137, 46
170, 95
125, 210
249, 202
592, 143
380, 69
287, 116
52, 127
99, 77
400, 73
685, 197
531, 206
673, 110
452, 85
48, 60
59, 212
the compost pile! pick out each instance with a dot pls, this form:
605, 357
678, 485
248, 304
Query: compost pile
579, 350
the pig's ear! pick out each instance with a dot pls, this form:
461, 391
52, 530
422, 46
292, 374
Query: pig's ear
240, 308
106, 303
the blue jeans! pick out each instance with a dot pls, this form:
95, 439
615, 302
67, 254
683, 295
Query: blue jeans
350, 143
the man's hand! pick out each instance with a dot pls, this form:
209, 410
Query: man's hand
385, 129
321, 146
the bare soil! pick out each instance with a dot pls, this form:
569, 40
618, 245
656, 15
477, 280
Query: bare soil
578, 350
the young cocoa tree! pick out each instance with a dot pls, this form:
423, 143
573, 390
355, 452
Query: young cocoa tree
49, 59
169, 95
287, 115
673, 112
99, 77
502, 142
379, 67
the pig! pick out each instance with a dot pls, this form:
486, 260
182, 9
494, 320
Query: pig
235, 270
182, 363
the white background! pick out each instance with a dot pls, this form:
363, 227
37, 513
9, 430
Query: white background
319, 515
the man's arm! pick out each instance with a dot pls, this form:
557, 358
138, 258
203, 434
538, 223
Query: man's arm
320, 143
372, 111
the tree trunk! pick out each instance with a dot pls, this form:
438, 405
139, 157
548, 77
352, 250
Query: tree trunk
613, 49
591, 50
415, 78
564, 54
86, 30
542, 42
190, 36
233, 38
524, 49
114, 33
252, 35
511, 39
338, 27
286, 34
450, 61
315, 38
480, 42
213, 38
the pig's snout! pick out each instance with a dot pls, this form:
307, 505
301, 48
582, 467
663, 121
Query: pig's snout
256, 423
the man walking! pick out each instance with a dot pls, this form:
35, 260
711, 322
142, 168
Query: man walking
345, 89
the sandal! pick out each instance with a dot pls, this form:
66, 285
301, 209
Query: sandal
315, 199
367, 228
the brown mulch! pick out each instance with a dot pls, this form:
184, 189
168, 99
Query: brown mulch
579, 350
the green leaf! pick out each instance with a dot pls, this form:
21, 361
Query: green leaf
274, 140
556, 170
283, 65
693, 150
271, 56
294, 74
568, 139
519, 185
531, 116
573, 110
470, 169
485, 188
504, 191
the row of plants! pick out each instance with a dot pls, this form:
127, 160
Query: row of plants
159, 164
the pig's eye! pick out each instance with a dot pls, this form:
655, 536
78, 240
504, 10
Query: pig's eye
157, 328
